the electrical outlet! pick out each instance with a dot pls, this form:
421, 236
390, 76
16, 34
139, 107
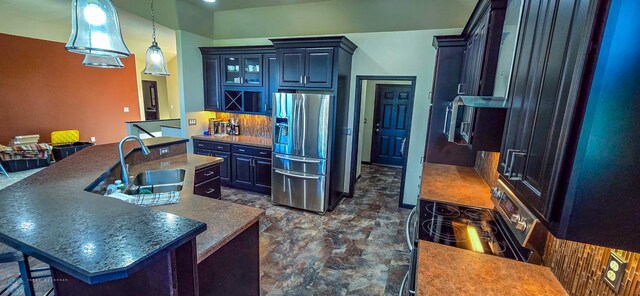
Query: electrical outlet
614, 272
126, 109
192, 122
164, 150
93, 139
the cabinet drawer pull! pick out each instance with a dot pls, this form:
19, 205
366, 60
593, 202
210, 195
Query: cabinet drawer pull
209, 173
200, 145
263, 153
211, 190
220, 147
241, 150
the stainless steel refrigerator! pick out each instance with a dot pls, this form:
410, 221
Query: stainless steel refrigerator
300, 150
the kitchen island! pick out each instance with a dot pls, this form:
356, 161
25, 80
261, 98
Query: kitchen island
103, 246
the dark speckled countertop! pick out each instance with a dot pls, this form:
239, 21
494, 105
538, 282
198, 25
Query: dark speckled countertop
51, 217
262, 142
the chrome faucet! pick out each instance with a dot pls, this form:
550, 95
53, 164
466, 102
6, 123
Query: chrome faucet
125, 167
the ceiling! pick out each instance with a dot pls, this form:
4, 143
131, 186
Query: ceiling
220, 5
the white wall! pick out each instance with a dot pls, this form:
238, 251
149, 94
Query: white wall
191, 87
406, 53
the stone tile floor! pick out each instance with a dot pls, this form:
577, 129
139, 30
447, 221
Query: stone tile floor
358, 249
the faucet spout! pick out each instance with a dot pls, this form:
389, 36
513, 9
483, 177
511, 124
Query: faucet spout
124, 167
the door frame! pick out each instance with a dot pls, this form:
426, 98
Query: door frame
376, 113
356, 130
155, 93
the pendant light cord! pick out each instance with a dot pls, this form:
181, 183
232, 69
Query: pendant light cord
153, 22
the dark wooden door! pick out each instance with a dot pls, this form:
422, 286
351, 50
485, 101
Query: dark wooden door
319, 68
262, 174
292, 67
272, 74
391, 122
225, 166
212, 88
150, 97
242, 170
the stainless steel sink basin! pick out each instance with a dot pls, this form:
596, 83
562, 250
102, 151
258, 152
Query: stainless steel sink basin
157, 181
159, 177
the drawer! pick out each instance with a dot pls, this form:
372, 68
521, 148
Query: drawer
207, 173
209, 188
205, 152
248, 150
199, 144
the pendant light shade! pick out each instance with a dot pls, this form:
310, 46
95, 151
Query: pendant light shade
155, 58
95, 29
102, 62
155, 61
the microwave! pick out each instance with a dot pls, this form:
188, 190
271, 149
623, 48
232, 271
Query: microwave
476, 121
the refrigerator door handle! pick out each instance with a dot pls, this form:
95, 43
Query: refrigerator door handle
296, 175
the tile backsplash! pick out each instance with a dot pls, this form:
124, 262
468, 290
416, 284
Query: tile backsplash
250, 125
577, 266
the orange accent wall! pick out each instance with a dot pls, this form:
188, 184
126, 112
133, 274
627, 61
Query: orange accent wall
44, 88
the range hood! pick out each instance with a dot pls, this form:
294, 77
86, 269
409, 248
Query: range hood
478, 119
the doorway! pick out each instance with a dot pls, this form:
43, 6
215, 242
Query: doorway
382, 125
390, 123
150, 96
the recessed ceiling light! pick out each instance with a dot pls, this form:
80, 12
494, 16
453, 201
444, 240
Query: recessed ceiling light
210, 1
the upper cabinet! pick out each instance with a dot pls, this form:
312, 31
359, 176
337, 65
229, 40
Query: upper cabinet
568, 149
243, 70
311, 63
312, 68
239, 79
466, 65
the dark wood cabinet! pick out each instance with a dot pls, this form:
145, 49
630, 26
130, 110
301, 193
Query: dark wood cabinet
466, 64
568, 149
272, 71
292, 68
262, 173
225, 167
207, 182
212, 89
306, 67
243, 79
244, 167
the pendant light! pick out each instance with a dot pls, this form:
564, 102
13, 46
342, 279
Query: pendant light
95, 29
102, 62
155, 58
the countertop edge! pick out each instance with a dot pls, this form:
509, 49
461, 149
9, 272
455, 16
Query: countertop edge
223, 242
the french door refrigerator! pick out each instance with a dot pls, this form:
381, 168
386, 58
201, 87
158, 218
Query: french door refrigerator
300, 150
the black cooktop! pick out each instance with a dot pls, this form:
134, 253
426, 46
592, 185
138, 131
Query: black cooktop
464, 227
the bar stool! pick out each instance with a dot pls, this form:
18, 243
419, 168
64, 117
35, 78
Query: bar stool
27, 275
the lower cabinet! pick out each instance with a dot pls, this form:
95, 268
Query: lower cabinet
244, 167
207, 182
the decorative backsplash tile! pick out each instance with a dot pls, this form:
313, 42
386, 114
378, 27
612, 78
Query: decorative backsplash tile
487, 166
250, 125
579, 268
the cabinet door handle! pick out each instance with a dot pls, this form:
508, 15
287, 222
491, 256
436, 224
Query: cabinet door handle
305, 79
460, 85
301, 79
446, 118
506, 160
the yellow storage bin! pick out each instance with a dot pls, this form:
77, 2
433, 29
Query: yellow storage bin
61, 137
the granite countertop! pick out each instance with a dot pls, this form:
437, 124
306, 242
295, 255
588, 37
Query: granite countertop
443, 269
454, 184
51, 217
225, 220
262, 142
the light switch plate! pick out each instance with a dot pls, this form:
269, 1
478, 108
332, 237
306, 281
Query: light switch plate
614, 273
126, 109
192, 122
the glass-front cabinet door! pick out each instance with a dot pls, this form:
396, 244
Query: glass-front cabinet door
232, 70
252, 70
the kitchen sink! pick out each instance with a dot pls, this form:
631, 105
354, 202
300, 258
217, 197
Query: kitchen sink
157, 181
